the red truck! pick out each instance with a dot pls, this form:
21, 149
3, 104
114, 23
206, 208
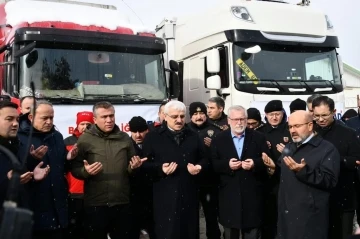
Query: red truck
78, 55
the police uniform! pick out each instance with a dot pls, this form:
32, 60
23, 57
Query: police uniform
208, 181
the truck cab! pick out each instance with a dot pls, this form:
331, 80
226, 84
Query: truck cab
78, 54
250, 52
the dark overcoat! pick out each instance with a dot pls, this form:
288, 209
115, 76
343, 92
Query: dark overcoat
303, 208
241, 193
176, 205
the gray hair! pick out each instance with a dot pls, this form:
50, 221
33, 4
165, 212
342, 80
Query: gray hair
37, 104
238, 108
175, 105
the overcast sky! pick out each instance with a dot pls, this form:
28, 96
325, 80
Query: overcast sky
344, 15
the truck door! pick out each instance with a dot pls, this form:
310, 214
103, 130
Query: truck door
194, 84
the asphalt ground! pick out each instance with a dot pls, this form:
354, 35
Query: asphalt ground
202, 228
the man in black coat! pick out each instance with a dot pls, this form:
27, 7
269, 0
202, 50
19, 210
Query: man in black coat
175, 155
236, 156
208, 181
277, 135
354, 123
254, 119
343, 197
48, 198
309, 169
140, 184
9, 125
215, 113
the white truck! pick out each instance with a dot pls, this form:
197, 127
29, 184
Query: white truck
251, 52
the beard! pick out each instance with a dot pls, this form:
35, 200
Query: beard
299, 138
238, 129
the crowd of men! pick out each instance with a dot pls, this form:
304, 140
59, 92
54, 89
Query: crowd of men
286, 177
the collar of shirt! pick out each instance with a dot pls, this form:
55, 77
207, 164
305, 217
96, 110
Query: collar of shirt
308, 138
236, 136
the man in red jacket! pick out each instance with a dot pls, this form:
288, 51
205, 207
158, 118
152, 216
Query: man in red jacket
76, 186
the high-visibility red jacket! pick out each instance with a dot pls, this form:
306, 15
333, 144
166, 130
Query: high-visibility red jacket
76, 186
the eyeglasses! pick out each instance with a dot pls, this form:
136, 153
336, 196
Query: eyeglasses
253, 124
296, 126
242, 120
317, 117
176, 116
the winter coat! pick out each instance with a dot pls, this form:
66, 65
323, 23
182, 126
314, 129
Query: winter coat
346, 142
176, 207
241, 193
354, 123
303, 208
221, 123
206, 130
76, 186
278, 135
114, 151
48, 197
5, 166
141, 185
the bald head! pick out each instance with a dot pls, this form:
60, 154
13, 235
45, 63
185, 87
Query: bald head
300, 125
301, 115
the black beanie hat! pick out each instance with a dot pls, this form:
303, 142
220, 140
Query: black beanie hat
274, 105
254, 113
297, 104
138, 124
197, 107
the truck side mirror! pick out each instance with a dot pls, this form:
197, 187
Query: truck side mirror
174, 66
213, 82
253, 50
341, 65
213, 61
174, 85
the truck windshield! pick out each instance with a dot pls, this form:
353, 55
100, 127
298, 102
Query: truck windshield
284, 67
84, 75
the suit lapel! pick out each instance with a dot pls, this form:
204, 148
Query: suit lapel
247, 140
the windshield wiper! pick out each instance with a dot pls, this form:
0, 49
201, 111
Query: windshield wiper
332, 85
308, 88
123, 97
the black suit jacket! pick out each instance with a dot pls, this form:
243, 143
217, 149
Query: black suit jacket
241, 198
